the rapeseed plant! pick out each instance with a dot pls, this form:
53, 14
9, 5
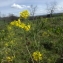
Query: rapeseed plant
45, 34
6, 44
27, 28
21, 25
37, 56
24, 14
13, 22
9, 58
9, 27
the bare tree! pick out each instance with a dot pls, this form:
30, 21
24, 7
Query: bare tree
0, 15
33, 10
51, 7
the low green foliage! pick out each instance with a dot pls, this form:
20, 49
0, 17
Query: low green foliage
45, 36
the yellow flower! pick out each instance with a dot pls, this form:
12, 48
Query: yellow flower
24, 14
9, 58
45, 34
37, 56
6, 44
16, 23
22, 25
12, 42
27, 28
12, 23
9, 27
19, 21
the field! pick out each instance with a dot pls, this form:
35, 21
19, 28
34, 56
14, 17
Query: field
36, 41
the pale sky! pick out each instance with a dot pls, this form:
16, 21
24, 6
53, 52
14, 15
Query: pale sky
15, 6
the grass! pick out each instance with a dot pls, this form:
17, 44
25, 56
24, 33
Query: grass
45, 36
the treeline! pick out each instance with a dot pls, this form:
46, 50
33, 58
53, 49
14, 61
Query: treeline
13, 17
9, 18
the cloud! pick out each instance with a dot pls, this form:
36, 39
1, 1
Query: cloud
24, 6
16, 6
19, 6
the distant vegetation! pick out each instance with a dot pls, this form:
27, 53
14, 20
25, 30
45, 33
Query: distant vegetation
13, 17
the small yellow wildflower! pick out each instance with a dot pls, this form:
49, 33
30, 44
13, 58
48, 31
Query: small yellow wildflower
24, 14
9, 58
9, 27
19, 21
12, 42
27, 28
22, 25
16, 23
45, 34
6, 44
12, 23
37, 56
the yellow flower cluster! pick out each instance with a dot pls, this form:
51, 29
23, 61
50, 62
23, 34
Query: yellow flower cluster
37, 55
6, 44
24, 14
9, 58
9, 27
27, 27
16, 23
20, 25
45, 34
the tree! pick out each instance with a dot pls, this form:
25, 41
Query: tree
51, 7
0, 15
33, 10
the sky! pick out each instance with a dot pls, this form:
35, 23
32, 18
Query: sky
8, 7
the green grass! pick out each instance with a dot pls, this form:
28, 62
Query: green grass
45, 35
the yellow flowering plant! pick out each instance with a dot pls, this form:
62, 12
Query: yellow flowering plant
37, 56
27, 28
20, 25
24, 14
9, 59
